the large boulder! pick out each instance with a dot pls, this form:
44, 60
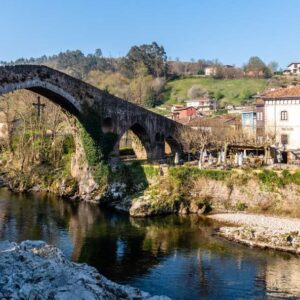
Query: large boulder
36, 270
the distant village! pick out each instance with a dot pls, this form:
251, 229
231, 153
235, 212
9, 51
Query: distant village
273, 120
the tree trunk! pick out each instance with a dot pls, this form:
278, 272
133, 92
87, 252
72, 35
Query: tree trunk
201, 157
225, 152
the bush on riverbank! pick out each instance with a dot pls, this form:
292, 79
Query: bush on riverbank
187, 173
272, 180
191, 190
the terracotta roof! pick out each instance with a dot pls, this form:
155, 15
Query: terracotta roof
259, 102
289, 92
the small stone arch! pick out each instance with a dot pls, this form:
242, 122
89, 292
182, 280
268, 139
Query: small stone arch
107, 125
172, 145
142, 143
159, 137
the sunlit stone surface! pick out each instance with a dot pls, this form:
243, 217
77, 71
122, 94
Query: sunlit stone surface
36, 270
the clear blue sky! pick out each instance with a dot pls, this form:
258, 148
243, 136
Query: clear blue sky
230, 30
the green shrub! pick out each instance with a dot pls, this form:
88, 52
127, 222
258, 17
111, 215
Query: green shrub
132, 175
68, 145
270, 179
150, 171
208, 205
126, 151
186, 173
241, 206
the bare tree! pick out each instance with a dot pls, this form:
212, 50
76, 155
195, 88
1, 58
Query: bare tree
196, 140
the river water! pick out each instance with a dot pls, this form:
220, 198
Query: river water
173, 256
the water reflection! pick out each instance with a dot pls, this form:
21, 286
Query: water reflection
176, 256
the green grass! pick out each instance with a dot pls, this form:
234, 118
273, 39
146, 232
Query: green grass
234, 90
272, 180
188, 173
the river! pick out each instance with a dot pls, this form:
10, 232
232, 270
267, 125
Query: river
173, 256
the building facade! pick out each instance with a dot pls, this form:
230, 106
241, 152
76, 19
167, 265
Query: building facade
248, 117
293, 69
202, 105
183, 114
260, 121
282, 119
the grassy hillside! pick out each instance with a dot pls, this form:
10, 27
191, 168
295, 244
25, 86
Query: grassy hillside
233, 90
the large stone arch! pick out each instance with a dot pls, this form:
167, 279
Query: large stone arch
50, 91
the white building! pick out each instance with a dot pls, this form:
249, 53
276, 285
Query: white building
212, 70
202, 105
282, 119
293, 69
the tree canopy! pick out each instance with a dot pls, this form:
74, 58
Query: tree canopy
152, 56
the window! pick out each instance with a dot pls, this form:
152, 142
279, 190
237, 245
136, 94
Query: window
284, 115
260, 116
284, 139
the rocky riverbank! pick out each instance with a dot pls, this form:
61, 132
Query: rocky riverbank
265, 232
142, 190
35, 270
186, 190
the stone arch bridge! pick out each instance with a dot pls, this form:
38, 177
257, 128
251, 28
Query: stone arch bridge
105, 117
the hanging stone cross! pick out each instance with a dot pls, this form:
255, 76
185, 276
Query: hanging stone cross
39, 106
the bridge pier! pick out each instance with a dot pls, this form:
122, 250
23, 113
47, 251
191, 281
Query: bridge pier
157, 152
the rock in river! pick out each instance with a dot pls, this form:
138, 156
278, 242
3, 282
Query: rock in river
36, 270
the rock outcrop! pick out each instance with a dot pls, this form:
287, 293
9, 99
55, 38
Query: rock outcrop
36, 270
263, 238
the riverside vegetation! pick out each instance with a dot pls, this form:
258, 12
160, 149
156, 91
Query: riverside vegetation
54, 153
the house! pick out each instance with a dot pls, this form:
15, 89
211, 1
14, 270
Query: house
183, 114
260, 120
231, 109
249, 120
212, 70
292, 69
177, 107
202, 105
282, 120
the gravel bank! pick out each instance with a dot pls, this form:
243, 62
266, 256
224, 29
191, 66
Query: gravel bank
276, 233
272, 223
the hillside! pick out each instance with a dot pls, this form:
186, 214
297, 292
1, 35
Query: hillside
230, 91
